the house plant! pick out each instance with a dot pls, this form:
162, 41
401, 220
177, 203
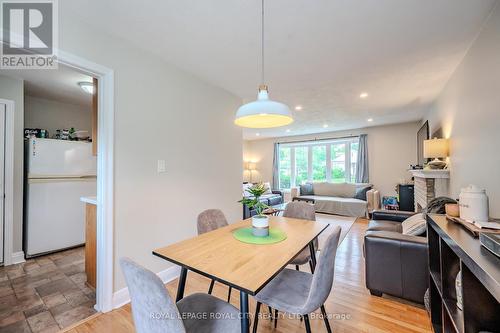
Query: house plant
260, 221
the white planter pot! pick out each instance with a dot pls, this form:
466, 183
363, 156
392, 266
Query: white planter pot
473, 204
260, 226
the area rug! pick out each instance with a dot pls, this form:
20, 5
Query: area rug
344, 222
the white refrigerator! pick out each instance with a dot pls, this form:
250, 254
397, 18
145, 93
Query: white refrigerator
58, 174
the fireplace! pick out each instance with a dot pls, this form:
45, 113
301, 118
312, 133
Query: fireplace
429, 184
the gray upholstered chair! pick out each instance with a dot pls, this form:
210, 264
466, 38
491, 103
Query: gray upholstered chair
301, 293
154, 311
305, 211
209, 220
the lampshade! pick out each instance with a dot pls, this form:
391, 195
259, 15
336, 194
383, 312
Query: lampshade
263, 113
251, 166
436, 148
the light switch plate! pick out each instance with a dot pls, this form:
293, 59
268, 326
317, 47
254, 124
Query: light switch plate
162, 166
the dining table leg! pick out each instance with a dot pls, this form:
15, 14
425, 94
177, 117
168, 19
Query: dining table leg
245, 324
313, 256
182, 284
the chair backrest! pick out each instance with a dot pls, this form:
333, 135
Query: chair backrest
211, 219
323, 274
300, 210
152, 308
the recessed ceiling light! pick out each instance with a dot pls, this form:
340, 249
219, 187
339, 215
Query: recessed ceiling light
257, 134
363, 95
88, 87
369, 119
288, 130
325, 125
298, 107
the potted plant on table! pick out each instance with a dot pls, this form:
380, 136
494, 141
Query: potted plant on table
260, 221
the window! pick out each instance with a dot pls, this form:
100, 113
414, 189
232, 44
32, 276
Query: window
323, 160
338, 163
301, 165
319, 163
285, 164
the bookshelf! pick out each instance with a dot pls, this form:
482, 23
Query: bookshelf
451, 250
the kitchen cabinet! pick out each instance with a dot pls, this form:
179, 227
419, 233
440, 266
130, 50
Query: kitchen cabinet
90, 240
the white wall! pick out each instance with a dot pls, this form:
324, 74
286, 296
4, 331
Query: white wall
468, 111
161, 112
52, 115
391, 149
13, 89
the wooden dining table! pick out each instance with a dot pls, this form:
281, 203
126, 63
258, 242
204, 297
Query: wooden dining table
243, 266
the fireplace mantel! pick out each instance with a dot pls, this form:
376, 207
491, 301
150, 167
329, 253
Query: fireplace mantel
429, 184
430, 173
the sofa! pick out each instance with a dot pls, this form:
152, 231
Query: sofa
348, 199
395, 263
270, 198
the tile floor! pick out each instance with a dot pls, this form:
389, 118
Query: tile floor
45, 294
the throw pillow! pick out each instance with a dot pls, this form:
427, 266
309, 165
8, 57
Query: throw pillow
361, 192
414, 225
245, 188
306, 189
268, 188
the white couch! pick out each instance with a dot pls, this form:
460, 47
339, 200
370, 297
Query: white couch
339, 198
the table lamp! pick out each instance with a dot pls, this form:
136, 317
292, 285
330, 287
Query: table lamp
436, 148
251, 168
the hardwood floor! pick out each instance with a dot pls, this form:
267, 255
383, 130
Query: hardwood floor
354, 309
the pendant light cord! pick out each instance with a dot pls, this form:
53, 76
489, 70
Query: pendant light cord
262, 45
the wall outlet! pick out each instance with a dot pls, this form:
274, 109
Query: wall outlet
162, 167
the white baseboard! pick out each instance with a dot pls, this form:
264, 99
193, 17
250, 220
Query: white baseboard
17, 258
122, 297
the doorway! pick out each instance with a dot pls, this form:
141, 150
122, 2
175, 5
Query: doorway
104, 198
51, 288
3, 110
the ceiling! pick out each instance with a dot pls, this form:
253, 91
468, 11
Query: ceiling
60, 85
320, 54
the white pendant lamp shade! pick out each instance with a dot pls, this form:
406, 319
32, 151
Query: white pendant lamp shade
263, 113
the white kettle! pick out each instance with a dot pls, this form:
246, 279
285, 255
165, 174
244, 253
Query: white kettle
473, 204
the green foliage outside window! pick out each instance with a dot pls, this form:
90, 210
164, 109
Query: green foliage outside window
343, 159
284, 167
319, 163
301, 161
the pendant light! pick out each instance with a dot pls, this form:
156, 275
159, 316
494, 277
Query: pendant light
263, 113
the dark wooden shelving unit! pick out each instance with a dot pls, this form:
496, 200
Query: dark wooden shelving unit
451, 250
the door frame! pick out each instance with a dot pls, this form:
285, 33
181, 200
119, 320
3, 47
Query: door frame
8, 182
105, 174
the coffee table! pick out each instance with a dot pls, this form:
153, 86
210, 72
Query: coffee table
275, 210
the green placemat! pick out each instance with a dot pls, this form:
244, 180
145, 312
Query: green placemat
245, 235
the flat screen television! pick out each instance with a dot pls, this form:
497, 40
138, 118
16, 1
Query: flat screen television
422, 134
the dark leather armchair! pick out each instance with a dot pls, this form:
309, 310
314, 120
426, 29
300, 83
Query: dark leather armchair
276, 198
395, 264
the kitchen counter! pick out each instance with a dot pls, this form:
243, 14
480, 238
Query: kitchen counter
89, 200
90, 239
